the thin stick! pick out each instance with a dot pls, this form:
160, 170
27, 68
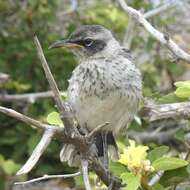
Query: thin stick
49, 76
130, 32
156, 178
63, 109
84, 165
159, 9
29, 97
21, 117
97, 129
187, 155
160, 111
38, 151
163, 39
45, 177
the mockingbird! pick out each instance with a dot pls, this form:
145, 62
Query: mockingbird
106, 86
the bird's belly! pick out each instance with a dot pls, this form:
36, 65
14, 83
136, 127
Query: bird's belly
116, 109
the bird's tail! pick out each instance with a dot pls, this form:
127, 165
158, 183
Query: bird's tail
70, 154
111, 143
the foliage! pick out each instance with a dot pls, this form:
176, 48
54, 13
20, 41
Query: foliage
54, 119
183, 89
139, 167
19, 20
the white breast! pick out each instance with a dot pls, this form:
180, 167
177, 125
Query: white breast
102, 92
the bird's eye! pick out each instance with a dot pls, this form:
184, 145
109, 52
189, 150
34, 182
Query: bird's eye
88, 42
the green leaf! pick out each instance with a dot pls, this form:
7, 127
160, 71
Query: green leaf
168, 163
157, 152
188, 169
54, 119
179, 135
121, 145
183, 92
174, 176
10, 167
117, 168
132, 182
182, 83
79, 181
158, 187
1, 159
169, 98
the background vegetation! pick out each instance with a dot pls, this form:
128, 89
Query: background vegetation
52, 20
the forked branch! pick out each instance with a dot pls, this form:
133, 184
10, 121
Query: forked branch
45, 177
38, 151
84, 165
161, 111
63, 109
162, 38
23, 118
27, 97
68, 134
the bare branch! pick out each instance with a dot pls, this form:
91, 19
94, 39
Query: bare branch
49, 76
160, 137
129, 33
28, 97
38, 151
156, 178
45, 177
63, 109
21, 117
162, 38
84, 165
159, 9
155, 112
97, 129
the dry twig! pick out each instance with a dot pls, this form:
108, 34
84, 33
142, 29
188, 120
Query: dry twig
45, 177
159, 9
161, 111
23, 118
37, 152
156, 178
162, 38
130, 30
28, 97
84, 165
96, 130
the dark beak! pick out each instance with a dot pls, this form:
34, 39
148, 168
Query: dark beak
64, 43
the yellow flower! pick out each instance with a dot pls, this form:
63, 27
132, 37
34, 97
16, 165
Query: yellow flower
135, 158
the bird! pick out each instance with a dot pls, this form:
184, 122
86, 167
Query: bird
105, 86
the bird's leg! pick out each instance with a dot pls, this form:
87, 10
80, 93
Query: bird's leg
105, 149
110, 187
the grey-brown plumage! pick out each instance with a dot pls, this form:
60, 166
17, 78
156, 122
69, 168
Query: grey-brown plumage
105, 86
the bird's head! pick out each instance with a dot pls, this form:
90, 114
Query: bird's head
90, 41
